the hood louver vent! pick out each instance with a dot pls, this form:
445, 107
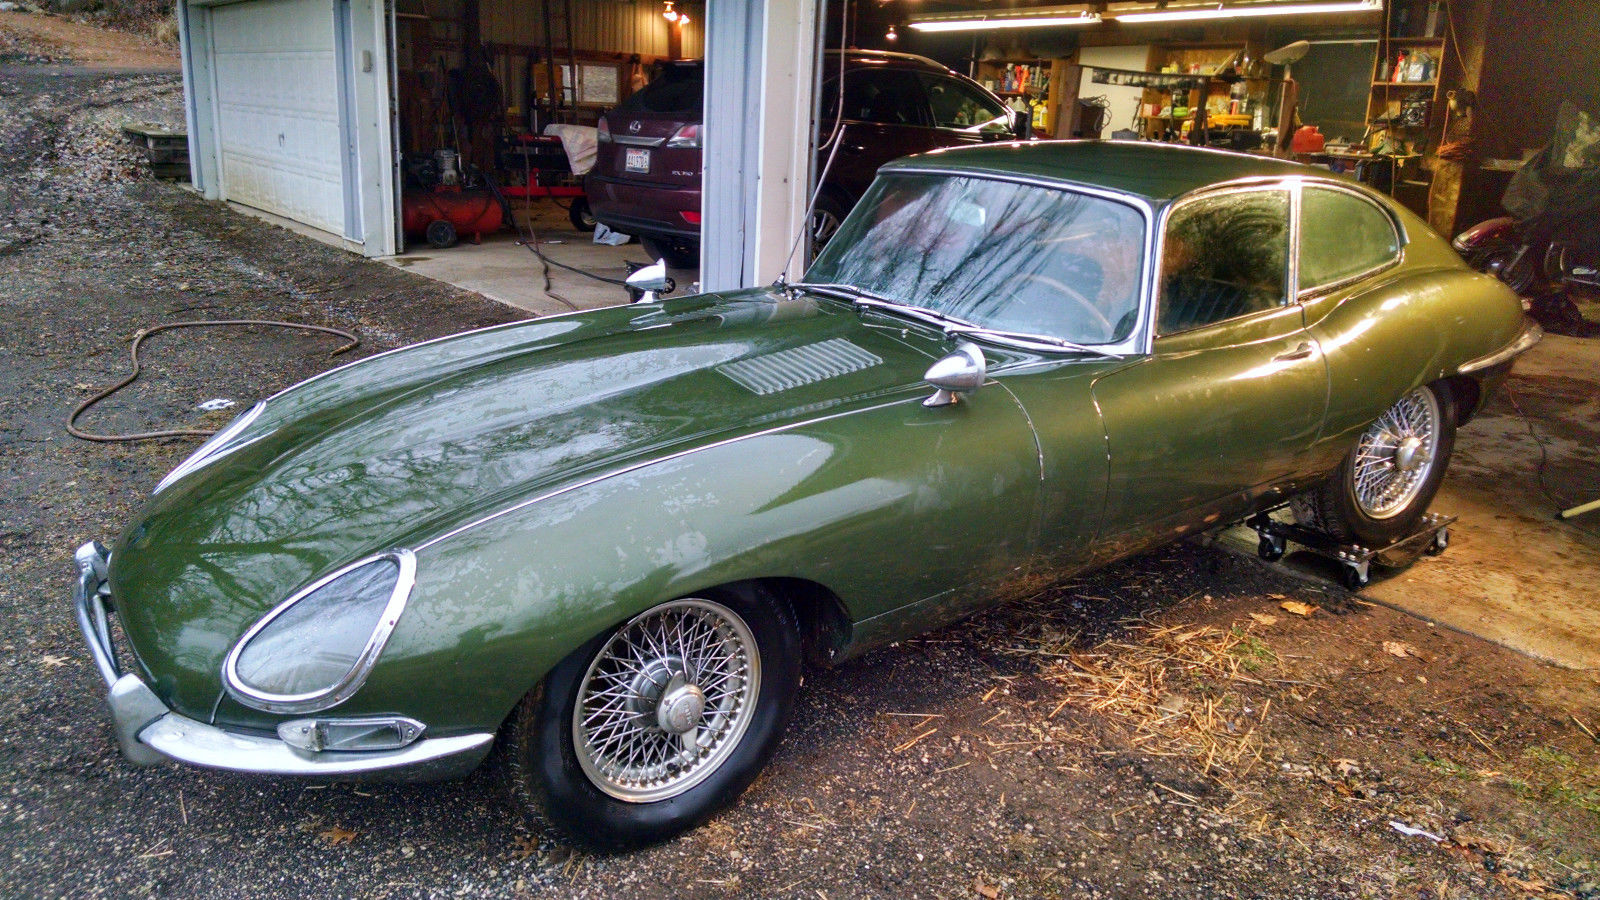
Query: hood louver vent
789, 369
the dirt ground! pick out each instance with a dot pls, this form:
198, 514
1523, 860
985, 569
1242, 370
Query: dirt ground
1166, 728
29, 38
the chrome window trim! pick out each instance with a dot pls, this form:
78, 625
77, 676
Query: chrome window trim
1134, 344
1402, 239
1255, 183
345, 688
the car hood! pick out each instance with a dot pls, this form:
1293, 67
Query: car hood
401, 448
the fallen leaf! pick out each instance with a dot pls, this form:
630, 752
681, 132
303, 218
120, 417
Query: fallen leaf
523, 847
54, 661
984, 889
1346, 767
1298, 608
1264, 619
337, 835
1399, 648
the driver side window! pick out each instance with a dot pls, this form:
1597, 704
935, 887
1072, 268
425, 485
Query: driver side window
1224, 256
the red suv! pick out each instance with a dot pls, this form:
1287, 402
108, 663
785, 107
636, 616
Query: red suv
646, 180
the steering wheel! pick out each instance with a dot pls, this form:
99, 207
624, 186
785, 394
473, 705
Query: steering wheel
1077, 299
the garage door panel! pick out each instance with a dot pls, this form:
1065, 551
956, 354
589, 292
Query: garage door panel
278, 109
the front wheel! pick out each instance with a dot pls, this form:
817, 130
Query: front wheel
651, 728
679, 253
1384, 485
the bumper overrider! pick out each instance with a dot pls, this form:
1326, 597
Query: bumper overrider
149, 732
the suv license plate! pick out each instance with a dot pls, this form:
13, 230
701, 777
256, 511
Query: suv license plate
636, 160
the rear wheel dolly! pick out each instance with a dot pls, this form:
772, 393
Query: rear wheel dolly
1431, 536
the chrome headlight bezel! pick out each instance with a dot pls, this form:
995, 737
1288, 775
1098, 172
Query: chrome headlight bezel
346, 687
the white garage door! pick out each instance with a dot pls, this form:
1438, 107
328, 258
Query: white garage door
278, 109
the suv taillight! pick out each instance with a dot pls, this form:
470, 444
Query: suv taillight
687, 136
603, 134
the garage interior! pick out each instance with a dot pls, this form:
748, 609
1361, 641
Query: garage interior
495, 107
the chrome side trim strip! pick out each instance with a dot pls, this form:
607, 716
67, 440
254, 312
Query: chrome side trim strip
461, 529
1531, 334
345, 688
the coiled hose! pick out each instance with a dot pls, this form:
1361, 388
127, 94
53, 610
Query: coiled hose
138, 339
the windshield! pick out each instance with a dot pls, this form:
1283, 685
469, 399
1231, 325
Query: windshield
1005, 256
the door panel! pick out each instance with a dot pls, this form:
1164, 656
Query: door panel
1208, 423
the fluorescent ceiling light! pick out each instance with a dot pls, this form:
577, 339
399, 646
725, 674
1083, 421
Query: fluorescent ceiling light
1241, 12
983, 23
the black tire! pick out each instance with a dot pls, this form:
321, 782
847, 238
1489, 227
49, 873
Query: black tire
1334, 507
678, 252
441, 234
542, 758
579, 213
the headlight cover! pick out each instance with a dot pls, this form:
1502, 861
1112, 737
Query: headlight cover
314, 650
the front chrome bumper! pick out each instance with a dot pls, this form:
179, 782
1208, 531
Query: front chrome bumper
149, 732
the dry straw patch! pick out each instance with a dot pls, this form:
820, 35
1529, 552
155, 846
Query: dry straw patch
1173, 690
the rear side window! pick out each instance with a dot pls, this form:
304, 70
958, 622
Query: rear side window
886, 96
677, 90
1224, 256
956, 104
1342, 235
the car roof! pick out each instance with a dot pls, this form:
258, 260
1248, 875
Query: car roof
853, 57
889, 59
1156, 171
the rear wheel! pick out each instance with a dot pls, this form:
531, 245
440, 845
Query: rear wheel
653, 727
1384, 485
580, 214
678, 253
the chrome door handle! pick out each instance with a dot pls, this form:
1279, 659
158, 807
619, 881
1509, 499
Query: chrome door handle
1301, 352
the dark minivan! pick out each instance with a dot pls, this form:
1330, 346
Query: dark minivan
646, 180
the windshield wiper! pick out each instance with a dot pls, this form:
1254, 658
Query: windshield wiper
864, 297
1028, 341
951, 325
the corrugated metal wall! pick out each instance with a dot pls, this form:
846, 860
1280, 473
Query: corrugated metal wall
598, 26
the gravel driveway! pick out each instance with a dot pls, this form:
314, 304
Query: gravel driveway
1167, 728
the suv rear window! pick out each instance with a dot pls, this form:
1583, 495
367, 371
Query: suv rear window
677, 90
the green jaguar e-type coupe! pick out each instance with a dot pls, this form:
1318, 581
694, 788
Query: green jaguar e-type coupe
606, 541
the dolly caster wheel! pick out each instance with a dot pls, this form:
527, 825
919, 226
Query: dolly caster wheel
1353, 578
1441, 540
1271, 548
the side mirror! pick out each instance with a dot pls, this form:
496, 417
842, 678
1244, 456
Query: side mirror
648, 281
955, 375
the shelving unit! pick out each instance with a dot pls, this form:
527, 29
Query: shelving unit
1406, 118
1156, 108
1035, 92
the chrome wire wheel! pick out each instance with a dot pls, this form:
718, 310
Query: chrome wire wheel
666, 700
1396, 455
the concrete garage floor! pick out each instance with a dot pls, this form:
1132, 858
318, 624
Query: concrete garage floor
504, 269
1514, 574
